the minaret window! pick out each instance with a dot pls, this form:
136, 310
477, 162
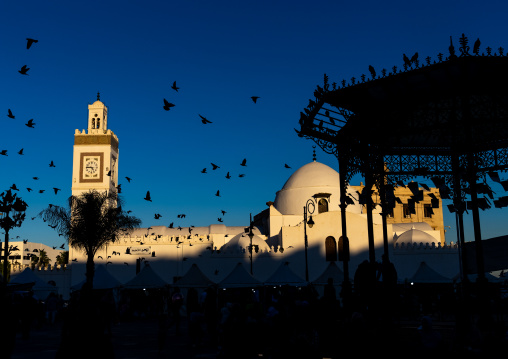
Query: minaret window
93, 122
98, 123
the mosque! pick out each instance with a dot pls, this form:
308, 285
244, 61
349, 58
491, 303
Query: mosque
279, 233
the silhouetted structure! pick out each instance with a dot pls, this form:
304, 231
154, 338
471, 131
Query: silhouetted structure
445, 119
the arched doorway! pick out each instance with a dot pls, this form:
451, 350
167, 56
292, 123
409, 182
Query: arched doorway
331, 249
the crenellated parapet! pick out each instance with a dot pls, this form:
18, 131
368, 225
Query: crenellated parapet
48, 268
428, 247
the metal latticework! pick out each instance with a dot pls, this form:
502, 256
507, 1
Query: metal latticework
444, 119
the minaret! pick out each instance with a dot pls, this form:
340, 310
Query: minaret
95, 160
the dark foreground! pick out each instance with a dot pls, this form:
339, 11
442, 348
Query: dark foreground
139, 339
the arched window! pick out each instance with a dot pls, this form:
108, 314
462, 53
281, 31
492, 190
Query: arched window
322, 205
331, 249
98, 123
93, 122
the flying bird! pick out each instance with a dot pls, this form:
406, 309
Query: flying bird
75, 260
214, 166
218, 193
174, 87
51, 164
30, 123
29, 42
219, 219
62, 246
167, 105
204, 120
228, 176
170, 225
56, 190
20, 152
128, 179
254, 98
203, 170
241, 175
126, 263
35, 178
147, 197
223, 212
41, 190
244, 162
286, 165
24, 70
9, 114
157, 216
14, 188
3, 152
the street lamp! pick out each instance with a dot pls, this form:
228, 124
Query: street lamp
12, 214
308, 208
251, 235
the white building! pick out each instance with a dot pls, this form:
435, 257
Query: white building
279, 231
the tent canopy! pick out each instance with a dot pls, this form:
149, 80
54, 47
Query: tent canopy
332, 271
194, 278
102, 279
39, 287
283, 275
147, 278
425, 274
239, 278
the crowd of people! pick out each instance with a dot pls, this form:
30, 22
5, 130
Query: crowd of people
373, 315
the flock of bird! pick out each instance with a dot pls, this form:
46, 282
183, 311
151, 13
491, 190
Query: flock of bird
167, 106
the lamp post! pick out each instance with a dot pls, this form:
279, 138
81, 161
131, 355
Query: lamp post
251, 235
308, 208
12, 214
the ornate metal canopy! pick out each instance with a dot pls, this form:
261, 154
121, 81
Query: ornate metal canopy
414, 119
444, 119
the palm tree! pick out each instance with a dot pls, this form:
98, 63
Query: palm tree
91, 221
43, 258
62, 259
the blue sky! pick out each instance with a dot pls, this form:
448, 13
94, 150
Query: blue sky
220, 54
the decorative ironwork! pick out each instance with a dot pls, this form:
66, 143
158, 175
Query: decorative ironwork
451, 121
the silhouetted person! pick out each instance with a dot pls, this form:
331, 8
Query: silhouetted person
211, 315
431, 341
176, 305
51, 308
364, 284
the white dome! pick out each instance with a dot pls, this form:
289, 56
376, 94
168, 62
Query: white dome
415, 236
242, 241
310, 179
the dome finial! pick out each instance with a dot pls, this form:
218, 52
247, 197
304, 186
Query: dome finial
98, 96
314, 154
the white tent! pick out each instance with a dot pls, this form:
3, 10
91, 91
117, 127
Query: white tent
194, 278
239, 278
425, 274
147, 278
473, 277
283, 275
332, 271
40, 288
102, 279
